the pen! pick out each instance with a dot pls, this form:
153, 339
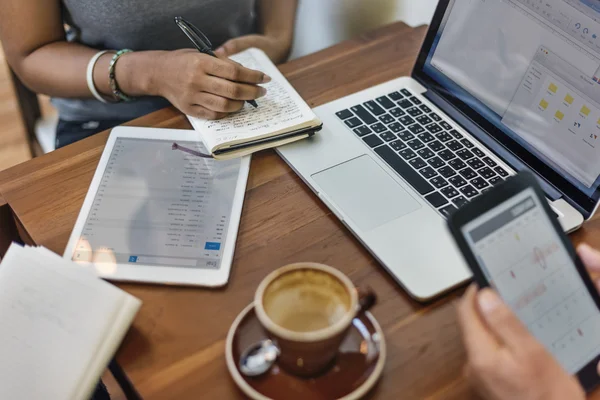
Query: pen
200, 42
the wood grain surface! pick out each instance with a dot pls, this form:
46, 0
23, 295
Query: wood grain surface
175, 349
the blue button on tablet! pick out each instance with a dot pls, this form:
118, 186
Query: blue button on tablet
212, 246
132, 259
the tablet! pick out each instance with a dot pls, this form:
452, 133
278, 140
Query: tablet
512, 241
157, 213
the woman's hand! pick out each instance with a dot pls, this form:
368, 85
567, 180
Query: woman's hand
203, 86
278, 49
504, 361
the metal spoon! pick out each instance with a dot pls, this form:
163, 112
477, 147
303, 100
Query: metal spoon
259, 358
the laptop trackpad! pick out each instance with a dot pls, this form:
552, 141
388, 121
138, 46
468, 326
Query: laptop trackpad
365, 192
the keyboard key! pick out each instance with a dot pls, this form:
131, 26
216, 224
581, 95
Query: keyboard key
417, 163
414, 112
489, 162
434, 128
456, 134
415, 100
362, 130
457, 181
388, 136
464, 154
424, 120
487, 173
374, 108
439, 182
398, 145
372, 140
436, 200
406, 92
425, 153
416, 129
407, 154
396, 127
385, 102
363, 114
454, 145
387, 119
448, 210
475, 163
467, 143
378, 128
406, 120
416, 144
446, 125
479, 183
450, 192
436, 162
460, 201
496, 180
433, 116
446, 155
425, 137
436, 146
353, 122
396, 112
501, 172
443, 137
478, 152
457, 164
344, 114
405, 135
405, 104
447, 172
396, 96
468, 173
404, 170
469, 191
426, 109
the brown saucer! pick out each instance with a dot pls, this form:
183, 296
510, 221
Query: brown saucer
356, 369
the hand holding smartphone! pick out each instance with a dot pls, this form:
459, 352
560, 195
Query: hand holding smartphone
513, 243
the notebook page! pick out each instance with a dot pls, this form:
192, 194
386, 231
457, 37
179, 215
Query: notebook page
280, 109
53, 320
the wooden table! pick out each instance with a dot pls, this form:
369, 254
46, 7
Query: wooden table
175, 349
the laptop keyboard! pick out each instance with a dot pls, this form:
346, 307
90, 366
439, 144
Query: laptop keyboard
445, 167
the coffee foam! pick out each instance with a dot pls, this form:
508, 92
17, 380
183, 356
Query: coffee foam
306, 300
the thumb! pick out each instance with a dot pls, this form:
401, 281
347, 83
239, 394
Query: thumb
590, 257
501, 321
235, 46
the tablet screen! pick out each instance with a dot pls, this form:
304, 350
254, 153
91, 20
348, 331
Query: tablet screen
160, 206
523, 258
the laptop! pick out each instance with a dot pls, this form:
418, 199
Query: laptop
499, 86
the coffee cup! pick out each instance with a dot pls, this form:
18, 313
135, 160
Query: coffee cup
307, 310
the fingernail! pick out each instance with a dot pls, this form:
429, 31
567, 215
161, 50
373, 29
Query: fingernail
598, 284
262, 92
488, 301
266, 78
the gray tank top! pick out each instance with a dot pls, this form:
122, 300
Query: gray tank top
146, 25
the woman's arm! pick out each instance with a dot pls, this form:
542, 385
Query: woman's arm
276, 21
34, 40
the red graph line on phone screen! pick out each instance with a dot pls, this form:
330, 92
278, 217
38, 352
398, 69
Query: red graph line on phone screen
541, 254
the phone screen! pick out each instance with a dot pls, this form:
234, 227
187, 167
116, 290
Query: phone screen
523, 258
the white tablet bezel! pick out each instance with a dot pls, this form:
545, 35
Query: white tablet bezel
157, 274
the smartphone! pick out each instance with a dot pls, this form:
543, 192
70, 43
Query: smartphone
512, 241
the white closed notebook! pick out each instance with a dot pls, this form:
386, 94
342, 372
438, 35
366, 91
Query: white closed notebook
282, 116
61, 325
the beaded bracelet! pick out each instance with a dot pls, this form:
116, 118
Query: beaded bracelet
114, 86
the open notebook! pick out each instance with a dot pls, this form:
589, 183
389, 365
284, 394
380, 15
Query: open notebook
60, 326
282, 116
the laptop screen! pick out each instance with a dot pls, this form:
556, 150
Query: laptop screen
532, 69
